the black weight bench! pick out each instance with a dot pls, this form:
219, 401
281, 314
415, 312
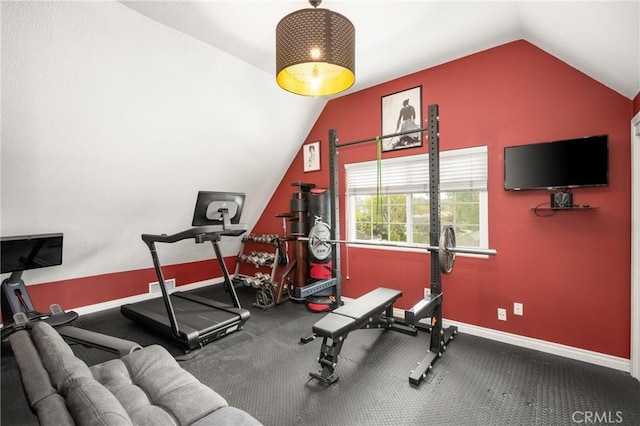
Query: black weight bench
372, 310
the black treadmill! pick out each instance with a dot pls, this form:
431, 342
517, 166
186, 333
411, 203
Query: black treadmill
191, 320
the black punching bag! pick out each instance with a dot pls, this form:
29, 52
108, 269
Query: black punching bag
319, 210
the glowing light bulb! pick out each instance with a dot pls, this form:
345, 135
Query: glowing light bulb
314, 53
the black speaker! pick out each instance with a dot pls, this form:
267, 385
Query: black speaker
561, 200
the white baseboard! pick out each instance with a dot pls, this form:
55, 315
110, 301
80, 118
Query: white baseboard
591, 357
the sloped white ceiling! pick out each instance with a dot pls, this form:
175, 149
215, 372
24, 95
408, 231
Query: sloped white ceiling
395, 38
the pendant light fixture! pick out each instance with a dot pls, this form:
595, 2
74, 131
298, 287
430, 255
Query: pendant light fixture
315, 52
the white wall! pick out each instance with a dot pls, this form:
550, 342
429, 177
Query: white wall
111, 123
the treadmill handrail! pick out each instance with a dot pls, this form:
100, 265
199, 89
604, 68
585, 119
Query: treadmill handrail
199, 233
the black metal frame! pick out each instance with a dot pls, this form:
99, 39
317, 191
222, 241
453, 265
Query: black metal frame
373, 310
430, 307
187, 336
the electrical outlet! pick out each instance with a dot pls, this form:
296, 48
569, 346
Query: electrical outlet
169, 284
502, 314
517, 309
427, 292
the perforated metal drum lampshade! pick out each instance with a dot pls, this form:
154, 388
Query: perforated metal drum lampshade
315, 52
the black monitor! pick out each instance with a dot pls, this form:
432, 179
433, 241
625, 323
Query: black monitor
24, 252
209, 206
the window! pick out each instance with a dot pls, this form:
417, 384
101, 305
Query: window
400, 213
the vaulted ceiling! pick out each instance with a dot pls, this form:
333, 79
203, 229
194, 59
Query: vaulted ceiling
396, 38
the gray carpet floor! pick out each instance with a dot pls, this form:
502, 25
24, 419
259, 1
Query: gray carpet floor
264, 370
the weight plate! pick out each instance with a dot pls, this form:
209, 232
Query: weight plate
319, 244
298, 228
268, 296
447, 257
298, 205
261, 298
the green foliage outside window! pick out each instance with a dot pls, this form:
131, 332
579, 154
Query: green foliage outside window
405, 217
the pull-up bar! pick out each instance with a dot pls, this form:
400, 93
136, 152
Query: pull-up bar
407, 132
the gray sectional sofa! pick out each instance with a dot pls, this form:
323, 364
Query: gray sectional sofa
144, 387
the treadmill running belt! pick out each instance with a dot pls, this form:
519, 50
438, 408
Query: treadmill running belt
198, 322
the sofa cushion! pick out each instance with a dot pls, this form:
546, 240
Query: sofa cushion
35, 378
153, 388
52, 411
115, 376
90, 403
57, 357
48, 405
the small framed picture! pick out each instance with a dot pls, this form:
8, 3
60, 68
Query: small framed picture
311, 156
401, 112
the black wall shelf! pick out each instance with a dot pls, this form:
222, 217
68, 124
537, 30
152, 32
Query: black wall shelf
575, 208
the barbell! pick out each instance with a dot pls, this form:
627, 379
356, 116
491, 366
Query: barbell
320, 245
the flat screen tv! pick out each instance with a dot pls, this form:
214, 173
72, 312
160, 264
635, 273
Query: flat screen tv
561, 165
24, 252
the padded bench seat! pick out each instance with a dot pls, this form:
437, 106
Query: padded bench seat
355, 314
333, 325
372, 310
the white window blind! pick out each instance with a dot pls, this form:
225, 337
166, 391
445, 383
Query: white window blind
460, 170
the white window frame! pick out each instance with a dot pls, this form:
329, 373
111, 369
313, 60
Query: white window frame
449, 180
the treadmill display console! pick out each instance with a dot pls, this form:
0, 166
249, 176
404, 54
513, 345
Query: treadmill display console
209, 206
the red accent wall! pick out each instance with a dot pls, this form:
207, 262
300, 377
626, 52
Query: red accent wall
571, 270
85, 291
